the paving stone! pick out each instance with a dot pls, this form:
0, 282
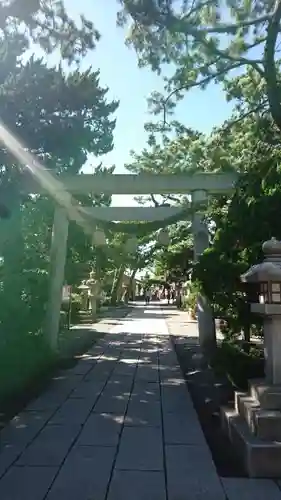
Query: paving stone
49, 400
151, 352
112, 353
148, 349
96, 350
143, 414
114, 401
57, 393
169, 373
83, 366
182, 429
88, 390
18, 434
27, 483
132, 354
51, 446
146, 345
65, 382
137, 485
169, 359
133, 344
73, 412
148, 360
148, 373
190, 469
22, 429
121, 389
101, 370
123, 384
174, 382
101, 430
145, 391
9, 453
176, 399
93, 354
250, 489
191, 457
140, 449
124, 369
84, 475
116, 336
198, 487
118, 344
109, 357
132, 338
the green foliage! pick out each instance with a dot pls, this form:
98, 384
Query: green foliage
22, 360
74, 308
48, 24
175, 261
204, 42
239, 363
243, 223
60, 118
191, 300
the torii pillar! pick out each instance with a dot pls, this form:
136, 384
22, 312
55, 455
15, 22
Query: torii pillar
206, 323
56, 276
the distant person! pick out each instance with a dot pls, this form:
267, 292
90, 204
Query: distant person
168, 296
147, 295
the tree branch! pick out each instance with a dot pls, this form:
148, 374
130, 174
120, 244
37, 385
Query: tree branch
193, 9
189, 86
225, 55
172, 198
270, 71
154, 200
222, 28
242, 117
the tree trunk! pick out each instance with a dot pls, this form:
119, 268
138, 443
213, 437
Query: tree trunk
270, 67
116, 285
130, 286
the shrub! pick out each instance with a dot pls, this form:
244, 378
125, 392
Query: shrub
239, 361
22, 359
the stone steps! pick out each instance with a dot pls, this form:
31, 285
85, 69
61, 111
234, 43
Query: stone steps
254, 428
268, 396
263, 423
262, 459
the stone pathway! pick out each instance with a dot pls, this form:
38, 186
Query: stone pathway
120, 425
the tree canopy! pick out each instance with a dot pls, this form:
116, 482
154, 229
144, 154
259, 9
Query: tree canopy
61, 117
48, 24
208, 41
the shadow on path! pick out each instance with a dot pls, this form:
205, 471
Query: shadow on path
119, 425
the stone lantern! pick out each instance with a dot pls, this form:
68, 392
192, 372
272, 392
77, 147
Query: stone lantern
267, 277
254, 424
84, 290
94, 287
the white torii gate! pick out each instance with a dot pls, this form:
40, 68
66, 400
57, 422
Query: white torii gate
197, 185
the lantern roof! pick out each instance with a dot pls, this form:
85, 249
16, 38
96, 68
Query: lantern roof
270, 268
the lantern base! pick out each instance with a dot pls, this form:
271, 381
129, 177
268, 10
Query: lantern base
206, 327
254, 428
272, 349
266, 309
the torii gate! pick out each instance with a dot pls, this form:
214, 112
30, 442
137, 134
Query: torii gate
197, 185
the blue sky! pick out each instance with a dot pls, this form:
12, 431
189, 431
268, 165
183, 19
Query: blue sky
201, 110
